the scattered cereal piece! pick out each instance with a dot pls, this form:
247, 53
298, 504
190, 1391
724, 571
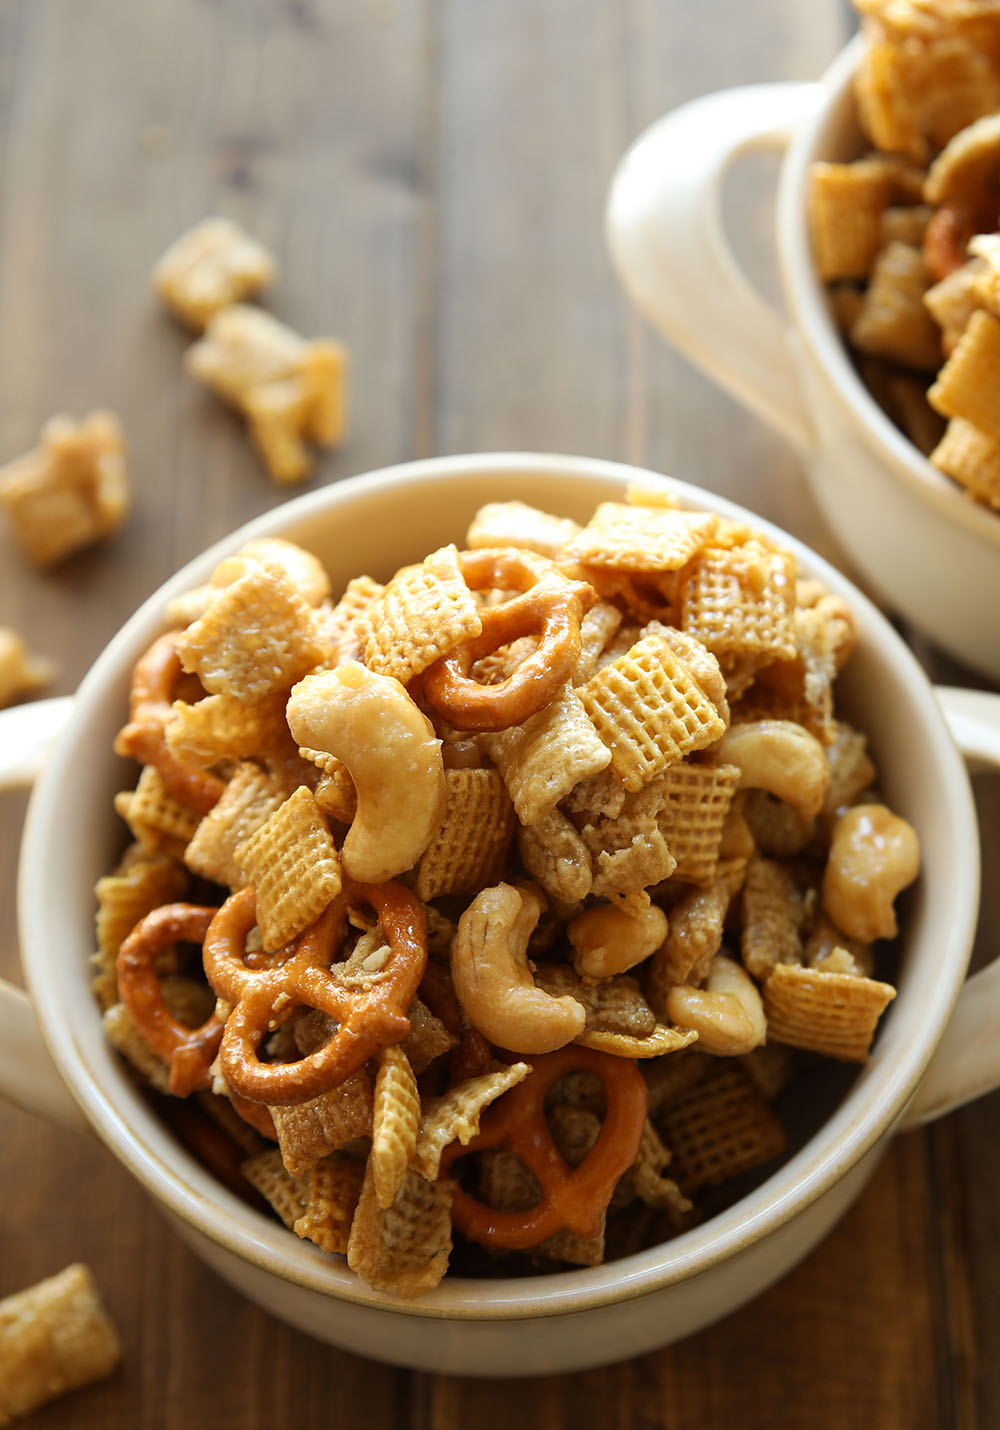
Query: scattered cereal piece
211, 265
54, 1337
291, 391
71, 491
20, 673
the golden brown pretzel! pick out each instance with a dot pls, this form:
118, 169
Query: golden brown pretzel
189, 1052
574, 1198
265, 988
154, 679
549, 605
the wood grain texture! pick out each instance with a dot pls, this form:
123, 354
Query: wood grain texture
432, 176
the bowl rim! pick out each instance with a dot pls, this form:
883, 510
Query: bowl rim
178, 1182
814, 326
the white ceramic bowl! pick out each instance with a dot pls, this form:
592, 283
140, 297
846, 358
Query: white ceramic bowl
922, 546
920, 1066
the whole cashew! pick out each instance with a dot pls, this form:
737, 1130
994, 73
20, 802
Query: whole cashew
727, 1014
873, 855
781, 757
489, 966
370, 723
608, 939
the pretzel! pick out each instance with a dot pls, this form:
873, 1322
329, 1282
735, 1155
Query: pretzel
189, 1052
549, 605
950, 228
265, 988
154, 678
572, 1198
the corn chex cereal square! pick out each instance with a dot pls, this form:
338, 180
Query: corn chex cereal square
257, 636
738, 602
467, 853
696, 802
831, 1013
649, 709
156, 819
968, 386
516, 523
250, 797
641, 538
972, 458
423, 614
294, 867
222, 727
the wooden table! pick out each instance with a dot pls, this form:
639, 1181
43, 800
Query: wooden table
432, 176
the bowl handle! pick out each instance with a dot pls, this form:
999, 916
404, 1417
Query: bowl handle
966, 1063
28, 1076
664, 230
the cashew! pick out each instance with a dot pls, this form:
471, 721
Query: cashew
370, 723
609, 939
489, 966
305, 571
873, 855
779, 756
727, 1014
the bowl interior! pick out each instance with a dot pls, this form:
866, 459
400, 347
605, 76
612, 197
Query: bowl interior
373, 524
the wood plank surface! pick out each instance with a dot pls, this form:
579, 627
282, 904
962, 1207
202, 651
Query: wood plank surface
432, 175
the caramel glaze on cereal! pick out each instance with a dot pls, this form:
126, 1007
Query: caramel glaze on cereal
650, 865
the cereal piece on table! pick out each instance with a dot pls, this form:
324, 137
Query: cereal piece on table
516, 523
468, 851
693, 814
395, 1120
55, 1336
291, 391
142, 881
122, 1033
70, 491
454, 1116
223, 727
423, 613
968, 385
972, 458
831, 1013
719, 1128
308, 1131
158, 821
543, 759
845, 206
650, 708
641, 538
894, 322
251, 796
257, 637
771, 910
738, 603
211, 265
404, 1248
293, 865
20, 673
554, 854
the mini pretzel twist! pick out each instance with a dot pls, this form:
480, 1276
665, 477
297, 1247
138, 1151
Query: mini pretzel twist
574, 1198
144, 738
189, 1052
549, 605
265, 988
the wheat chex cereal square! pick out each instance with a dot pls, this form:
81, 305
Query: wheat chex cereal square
468, 851
831, 1013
